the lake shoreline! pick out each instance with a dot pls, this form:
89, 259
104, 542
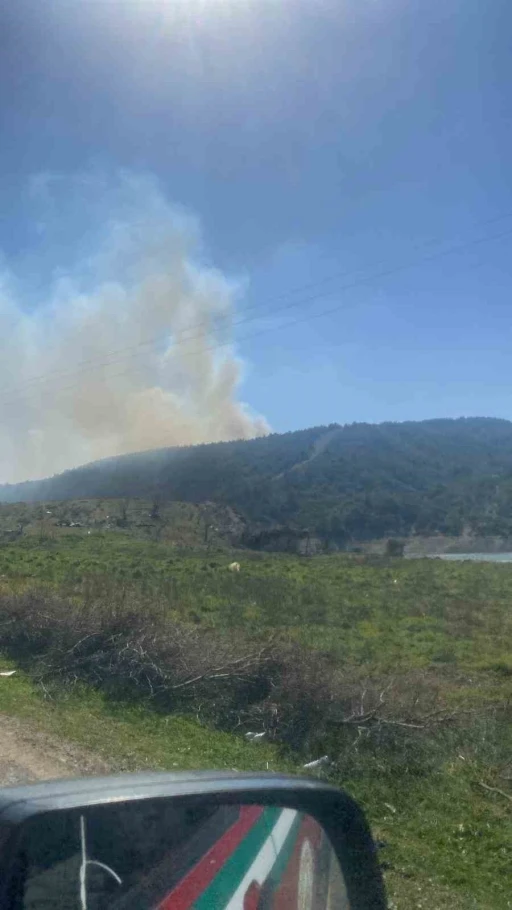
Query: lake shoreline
471, 557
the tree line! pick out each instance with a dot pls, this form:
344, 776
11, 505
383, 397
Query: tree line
344, 483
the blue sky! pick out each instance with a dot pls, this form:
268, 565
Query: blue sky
311, 140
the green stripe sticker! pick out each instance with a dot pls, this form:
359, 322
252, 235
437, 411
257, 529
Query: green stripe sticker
224, 885
286, 851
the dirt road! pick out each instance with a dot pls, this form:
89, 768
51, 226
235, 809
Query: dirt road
27, 755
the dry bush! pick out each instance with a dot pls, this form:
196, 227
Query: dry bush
395, 724
303, 699
130, 653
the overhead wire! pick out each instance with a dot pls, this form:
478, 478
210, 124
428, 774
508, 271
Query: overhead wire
480, 223
95, 361
294, 303
33, 382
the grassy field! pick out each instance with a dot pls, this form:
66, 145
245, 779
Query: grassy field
430, 638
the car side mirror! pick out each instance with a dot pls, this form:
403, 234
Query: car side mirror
189, 841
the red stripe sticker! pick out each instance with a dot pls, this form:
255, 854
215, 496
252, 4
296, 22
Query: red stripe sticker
197, 880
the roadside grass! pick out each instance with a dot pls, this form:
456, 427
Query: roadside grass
447, 844
449, 840
129, 736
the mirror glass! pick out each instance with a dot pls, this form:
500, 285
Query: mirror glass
163, 854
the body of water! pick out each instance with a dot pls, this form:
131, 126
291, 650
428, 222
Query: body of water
476, 557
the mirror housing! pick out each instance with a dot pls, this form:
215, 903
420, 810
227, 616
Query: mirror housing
22, 809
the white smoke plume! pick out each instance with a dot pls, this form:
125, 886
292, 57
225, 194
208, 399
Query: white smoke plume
130, 349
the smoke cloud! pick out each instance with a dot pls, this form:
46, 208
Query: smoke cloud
130, 347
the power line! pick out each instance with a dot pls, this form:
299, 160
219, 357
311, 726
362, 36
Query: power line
369, 279
504, 216
362, 281
95, 361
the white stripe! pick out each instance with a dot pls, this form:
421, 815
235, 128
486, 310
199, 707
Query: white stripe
83, 865
265, 859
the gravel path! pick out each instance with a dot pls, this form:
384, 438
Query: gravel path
28, 755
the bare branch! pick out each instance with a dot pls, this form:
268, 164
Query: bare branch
494, 790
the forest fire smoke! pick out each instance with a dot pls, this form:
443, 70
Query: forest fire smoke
131, 350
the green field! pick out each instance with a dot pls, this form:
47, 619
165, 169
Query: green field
404, 666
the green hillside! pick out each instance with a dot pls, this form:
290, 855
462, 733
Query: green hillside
343, 483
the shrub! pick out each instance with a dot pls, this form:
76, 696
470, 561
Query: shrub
395, 547
131, 653
303, 699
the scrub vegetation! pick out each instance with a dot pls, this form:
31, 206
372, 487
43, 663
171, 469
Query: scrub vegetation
399, 670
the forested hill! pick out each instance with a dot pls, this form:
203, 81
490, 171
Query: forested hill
346, 482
